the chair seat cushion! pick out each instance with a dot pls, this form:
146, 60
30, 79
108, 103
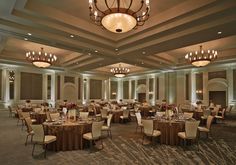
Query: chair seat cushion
88, 136
49, 139
156, 133
122, 117
140, 124
203, 129
218, 117
33, 120
98, 115
105, 128
182, 135
203, 117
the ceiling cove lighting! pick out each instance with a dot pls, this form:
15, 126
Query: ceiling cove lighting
120, 71
202, 57
41, 59
119, 16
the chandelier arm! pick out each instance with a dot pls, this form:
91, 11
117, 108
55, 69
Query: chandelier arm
107, 6
95, 4
118, 6
142, 2
130, 4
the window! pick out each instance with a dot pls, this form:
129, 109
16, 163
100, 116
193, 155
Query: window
49, 87
95, 89
126, 89
187, 87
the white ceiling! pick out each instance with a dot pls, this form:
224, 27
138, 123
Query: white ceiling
174, 28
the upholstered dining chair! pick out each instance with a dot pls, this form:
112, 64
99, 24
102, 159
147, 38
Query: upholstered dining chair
41, 139
188, 115
220, 117
30, 131
190, 133
139, 121
208, 126
125, 115
95, 134
11, 111
148, 130
107, 127
104, 113
54, 116
206, 113
84, 115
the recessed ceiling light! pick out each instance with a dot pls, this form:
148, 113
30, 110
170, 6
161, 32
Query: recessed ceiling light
142, 62
89, 54
143, 52
219, 32
72, 36
95, 51
116, 49
29, 34
26, 39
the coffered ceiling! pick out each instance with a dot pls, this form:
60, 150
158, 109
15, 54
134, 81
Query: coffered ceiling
174, 28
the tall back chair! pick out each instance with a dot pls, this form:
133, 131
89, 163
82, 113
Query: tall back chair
95, 134
222, 116
125, 115
139, 121
11, 111
84, 115
191, 129
107, 127
30, 131
40, 138
208, 126
104, 113
54, 116
148, 129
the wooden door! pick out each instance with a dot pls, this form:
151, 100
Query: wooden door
218, 97
141, 97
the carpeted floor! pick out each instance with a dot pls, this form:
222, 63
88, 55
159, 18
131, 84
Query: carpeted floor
124, 148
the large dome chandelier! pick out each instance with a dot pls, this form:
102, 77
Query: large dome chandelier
120, 71
41, 59
119, 16
202, 57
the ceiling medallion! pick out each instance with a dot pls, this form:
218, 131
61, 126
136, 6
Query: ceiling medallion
41, 59
119, 16
120, 71
202, 57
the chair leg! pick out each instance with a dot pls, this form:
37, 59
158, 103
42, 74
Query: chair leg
136, 128
101, 142
33, 149
18, 122
90, 145
26, 140
143, 139
110, 134
45, 150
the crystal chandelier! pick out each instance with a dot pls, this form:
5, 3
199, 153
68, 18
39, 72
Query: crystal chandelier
41, 59
120, 71
202, 57
119, 16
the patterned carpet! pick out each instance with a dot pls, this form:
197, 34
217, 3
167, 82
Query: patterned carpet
125, 148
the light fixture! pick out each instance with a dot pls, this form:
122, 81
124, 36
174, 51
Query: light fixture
120, 71
29, 34
11, 76
202, 57
119, 16
41, 59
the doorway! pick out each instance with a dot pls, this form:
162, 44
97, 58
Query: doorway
141, 97
218, 97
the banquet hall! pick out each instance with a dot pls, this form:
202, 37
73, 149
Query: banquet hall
118, 82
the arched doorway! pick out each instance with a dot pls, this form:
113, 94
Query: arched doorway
218, 91
69, 91
141, 91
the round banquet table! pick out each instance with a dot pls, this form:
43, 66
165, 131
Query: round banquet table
69, 135
169, 130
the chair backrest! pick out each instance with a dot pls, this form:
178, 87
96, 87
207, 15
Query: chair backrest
109, 120
54, 116
138, 117
206, 112
209, 121
84, 115
223, 113
191, 129
96, 129
37, 110
38, 133
218, 106
104, 113
48, 116
64, 110
188, 115
72, 114
19, 112
25, 114
216, 110
10, 109
125, 113
147, 127
28, 123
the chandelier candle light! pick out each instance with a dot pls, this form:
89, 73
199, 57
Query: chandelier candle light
120, 71
41, 59
119, 16
201, 58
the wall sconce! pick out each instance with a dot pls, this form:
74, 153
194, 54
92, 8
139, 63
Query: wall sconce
113, 93
198, 91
